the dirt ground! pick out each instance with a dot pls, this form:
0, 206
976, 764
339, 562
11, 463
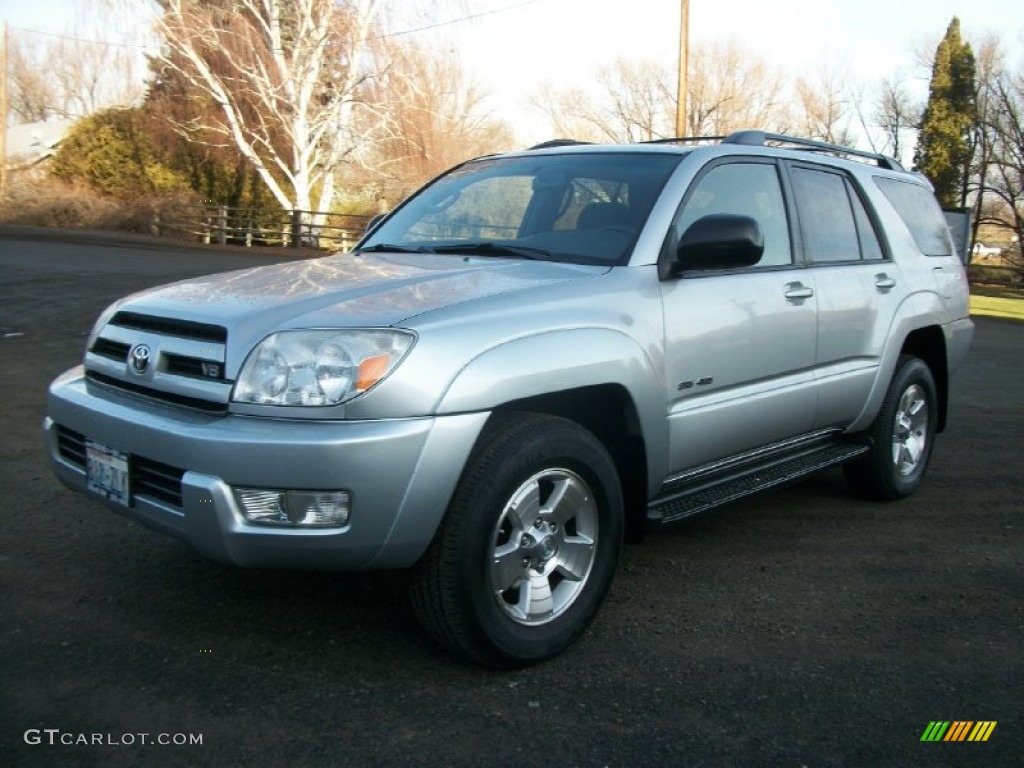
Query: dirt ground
801, 628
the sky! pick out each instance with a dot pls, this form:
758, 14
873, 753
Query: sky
568, 40
512, 46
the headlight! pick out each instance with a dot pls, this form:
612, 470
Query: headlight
318, 367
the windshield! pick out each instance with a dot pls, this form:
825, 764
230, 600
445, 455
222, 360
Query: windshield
581, 208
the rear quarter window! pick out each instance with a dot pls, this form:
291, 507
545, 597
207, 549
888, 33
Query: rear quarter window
920, 211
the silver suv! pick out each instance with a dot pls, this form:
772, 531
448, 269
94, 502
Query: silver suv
536, 356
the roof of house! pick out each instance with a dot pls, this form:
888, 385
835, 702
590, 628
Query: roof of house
29, 143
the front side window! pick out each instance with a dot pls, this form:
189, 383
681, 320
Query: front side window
584, 208
746, 189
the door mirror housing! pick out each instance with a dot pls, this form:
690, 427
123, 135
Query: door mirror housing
719, 241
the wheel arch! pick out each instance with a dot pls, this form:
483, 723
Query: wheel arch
600, 378
609, 413
929, 344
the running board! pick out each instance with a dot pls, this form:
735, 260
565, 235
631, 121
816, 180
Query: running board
700, 495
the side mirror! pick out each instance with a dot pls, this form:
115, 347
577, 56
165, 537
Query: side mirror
719, 241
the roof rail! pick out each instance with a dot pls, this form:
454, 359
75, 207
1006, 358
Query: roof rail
755, 138
685, 140
556, 143
761, 138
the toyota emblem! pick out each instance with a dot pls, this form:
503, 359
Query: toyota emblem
139, 358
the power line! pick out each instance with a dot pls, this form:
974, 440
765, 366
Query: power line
459, 20
436, 25
83, 39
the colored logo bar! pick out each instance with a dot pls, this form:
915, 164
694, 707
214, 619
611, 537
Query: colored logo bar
958, 730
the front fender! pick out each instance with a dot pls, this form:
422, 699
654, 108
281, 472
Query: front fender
565, 360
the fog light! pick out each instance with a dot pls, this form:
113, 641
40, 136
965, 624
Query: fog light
294, 509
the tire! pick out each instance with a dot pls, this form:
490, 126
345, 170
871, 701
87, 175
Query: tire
528, 547
902, 436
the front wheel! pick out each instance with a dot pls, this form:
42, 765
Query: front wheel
528, 547
902, 435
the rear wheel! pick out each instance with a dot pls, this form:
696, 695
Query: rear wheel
529, 544
902, 435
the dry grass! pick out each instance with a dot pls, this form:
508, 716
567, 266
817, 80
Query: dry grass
43, 202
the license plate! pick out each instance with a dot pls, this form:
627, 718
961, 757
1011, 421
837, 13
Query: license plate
106, 472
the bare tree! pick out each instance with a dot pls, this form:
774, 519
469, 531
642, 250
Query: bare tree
896, 114
570, 112
286, 77
989, 70
426, 115
68, 77
640, 101
636, 100
33, 95
825, 107
632, 100
1004, 180
730, 89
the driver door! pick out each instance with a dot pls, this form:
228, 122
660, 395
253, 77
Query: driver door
740, 344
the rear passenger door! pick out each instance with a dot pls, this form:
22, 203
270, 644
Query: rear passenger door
858, 287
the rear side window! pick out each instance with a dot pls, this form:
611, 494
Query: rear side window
834, 222
920, 211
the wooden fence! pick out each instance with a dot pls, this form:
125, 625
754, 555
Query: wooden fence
254, 227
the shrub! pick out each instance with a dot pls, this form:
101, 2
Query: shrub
112, 153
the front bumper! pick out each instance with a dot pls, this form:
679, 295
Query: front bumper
400, 474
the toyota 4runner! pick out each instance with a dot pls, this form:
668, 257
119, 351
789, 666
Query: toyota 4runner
536, 356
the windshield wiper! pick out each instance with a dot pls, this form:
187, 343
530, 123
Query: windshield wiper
391, 247
489, 248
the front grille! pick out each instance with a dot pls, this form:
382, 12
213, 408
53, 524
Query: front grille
182, 353
114, 350
168, 326
197, 368
210, 406
148, 478
71, 446
161, 481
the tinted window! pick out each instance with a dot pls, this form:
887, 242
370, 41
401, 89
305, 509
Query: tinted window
870, 247
585, 208
826, 216
747, 189
920, 211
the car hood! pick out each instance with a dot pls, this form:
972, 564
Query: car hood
346, 290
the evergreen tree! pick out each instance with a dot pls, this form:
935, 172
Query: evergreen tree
944, 142
111, 152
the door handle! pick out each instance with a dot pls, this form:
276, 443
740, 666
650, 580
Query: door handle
798, 291
883, 282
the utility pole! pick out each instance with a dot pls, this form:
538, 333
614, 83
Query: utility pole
3, 116
684, 59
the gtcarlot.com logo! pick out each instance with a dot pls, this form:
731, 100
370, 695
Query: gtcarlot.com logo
54, 737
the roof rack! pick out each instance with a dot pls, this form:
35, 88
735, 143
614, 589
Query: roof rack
762, 138
687, 140
556, 143
754, 138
